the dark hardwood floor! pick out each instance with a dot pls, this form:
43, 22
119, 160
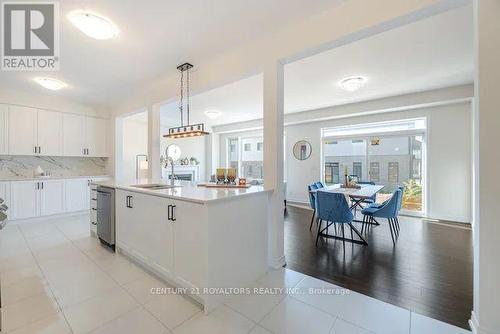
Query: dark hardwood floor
429, 271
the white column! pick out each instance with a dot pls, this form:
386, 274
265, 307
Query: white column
486, 229
154, 136
273, 159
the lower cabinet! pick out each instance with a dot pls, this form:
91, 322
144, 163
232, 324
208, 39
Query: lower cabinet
165, 234
36, 198
77, 194
25, 197
52, 197
144, 228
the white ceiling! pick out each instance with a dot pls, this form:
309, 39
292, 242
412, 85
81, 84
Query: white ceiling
156, 36
433, 53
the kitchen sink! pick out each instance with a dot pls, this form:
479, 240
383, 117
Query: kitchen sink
154, 186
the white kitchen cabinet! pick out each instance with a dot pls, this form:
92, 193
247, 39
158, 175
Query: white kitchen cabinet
22, 130
145, 230
96, 137
84, 136
4, 126
77, 194
24, 199
189, 242
74, 135
50, 133
52, 197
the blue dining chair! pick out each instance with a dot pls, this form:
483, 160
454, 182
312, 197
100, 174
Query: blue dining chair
389, 211
312, 201
319, 184
332, 208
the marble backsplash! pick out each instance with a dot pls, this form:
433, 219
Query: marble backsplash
24, 166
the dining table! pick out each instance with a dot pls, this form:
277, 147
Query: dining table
356, 195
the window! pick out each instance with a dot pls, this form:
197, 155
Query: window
332, 172
393, 172
356, 170
374, 172
248, 162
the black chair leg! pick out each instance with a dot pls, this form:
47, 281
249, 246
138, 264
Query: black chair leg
390, 228
343, 237
335, 227
319, 229
363, 224
312, 219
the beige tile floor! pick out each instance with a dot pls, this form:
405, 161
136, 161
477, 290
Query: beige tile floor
57, 279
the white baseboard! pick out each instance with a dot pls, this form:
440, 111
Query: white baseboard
277, 263
477, 329
43, 218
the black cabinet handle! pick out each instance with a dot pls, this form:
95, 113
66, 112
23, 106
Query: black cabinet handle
126, 201
172, 207
129, 202
42, 185
169, 214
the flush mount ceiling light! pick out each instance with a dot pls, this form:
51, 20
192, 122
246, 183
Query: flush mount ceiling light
353, 83
93, 25
50, 83
212, 114
188, 129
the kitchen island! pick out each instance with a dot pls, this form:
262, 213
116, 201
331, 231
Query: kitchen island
191, 236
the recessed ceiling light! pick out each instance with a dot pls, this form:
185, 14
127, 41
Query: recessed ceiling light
353, 83
212, 114
93, 25
50, 83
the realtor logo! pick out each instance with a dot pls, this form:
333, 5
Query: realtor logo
30, 36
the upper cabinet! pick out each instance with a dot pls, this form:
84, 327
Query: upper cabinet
74, 135
22, 131
84, 136
49, 133
30, 131
4, 133
96, 137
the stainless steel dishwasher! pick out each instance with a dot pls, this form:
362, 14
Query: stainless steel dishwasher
106, 215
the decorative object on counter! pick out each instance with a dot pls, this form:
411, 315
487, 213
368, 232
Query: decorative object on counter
212, 178
223, 185
221, 175
302, 150
141, 164
185, 161
39, 172
185, 130
194, 161
242, 181
231, 175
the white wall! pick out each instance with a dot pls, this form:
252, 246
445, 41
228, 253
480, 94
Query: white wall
135, 141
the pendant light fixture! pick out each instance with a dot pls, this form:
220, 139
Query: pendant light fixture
185, 130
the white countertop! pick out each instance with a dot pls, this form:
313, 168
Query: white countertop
188, 191
41, 178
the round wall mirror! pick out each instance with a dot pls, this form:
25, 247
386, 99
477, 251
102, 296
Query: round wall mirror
173, 152
302, 150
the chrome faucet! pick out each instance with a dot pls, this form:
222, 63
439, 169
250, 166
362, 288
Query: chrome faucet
172, 174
